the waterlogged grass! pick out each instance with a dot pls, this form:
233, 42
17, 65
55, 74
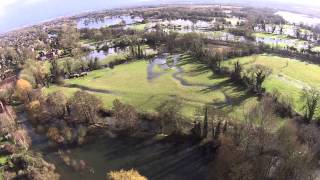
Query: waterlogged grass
129, 84
289, 76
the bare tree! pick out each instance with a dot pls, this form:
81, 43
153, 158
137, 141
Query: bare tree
311, 99
84, 107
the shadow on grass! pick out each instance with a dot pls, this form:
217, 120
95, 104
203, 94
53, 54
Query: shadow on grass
85, 88
230, 100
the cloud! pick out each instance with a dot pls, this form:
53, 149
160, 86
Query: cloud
29, 2
5, 5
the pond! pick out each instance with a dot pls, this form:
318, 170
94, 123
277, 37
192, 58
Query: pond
93, 23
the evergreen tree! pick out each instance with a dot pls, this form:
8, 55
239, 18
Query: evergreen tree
205, 124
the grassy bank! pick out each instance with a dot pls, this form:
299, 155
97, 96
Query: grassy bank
289, 76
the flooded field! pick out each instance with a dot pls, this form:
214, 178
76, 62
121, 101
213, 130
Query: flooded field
299, 18
154, 159
93, 23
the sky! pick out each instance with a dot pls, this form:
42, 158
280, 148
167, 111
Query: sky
17, 13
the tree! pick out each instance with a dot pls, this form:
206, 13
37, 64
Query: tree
6, 94
257, 75
236, 74
311, 99
54, 134
69, 38
126, 116
21, 138
84, 107
23, 90
35, 72
205, 124
56, 72
56, 104
218, 59
169, 113
125, 175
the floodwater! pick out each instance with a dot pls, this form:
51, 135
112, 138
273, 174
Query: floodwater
101, 54
154, 159
299, 18
93, 23
279, 41
161, 61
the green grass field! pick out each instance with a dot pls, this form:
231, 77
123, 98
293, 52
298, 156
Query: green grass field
138, 27
129, 83
289, 76
316, 49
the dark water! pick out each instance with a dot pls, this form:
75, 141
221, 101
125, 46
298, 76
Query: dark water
155, 160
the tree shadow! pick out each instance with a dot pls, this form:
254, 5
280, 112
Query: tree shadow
230, 100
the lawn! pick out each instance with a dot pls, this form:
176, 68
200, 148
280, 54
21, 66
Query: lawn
138, 27
289, 76
129, 83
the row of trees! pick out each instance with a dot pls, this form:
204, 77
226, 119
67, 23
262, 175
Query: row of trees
254, 148
66, 119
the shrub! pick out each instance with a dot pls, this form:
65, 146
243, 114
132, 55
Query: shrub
23, 90
126, 116
125, 175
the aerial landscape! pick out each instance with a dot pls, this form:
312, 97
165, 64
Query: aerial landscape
159, 90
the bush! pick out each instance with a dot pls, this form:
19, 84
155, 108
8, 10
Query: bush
126, 116
125, 175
